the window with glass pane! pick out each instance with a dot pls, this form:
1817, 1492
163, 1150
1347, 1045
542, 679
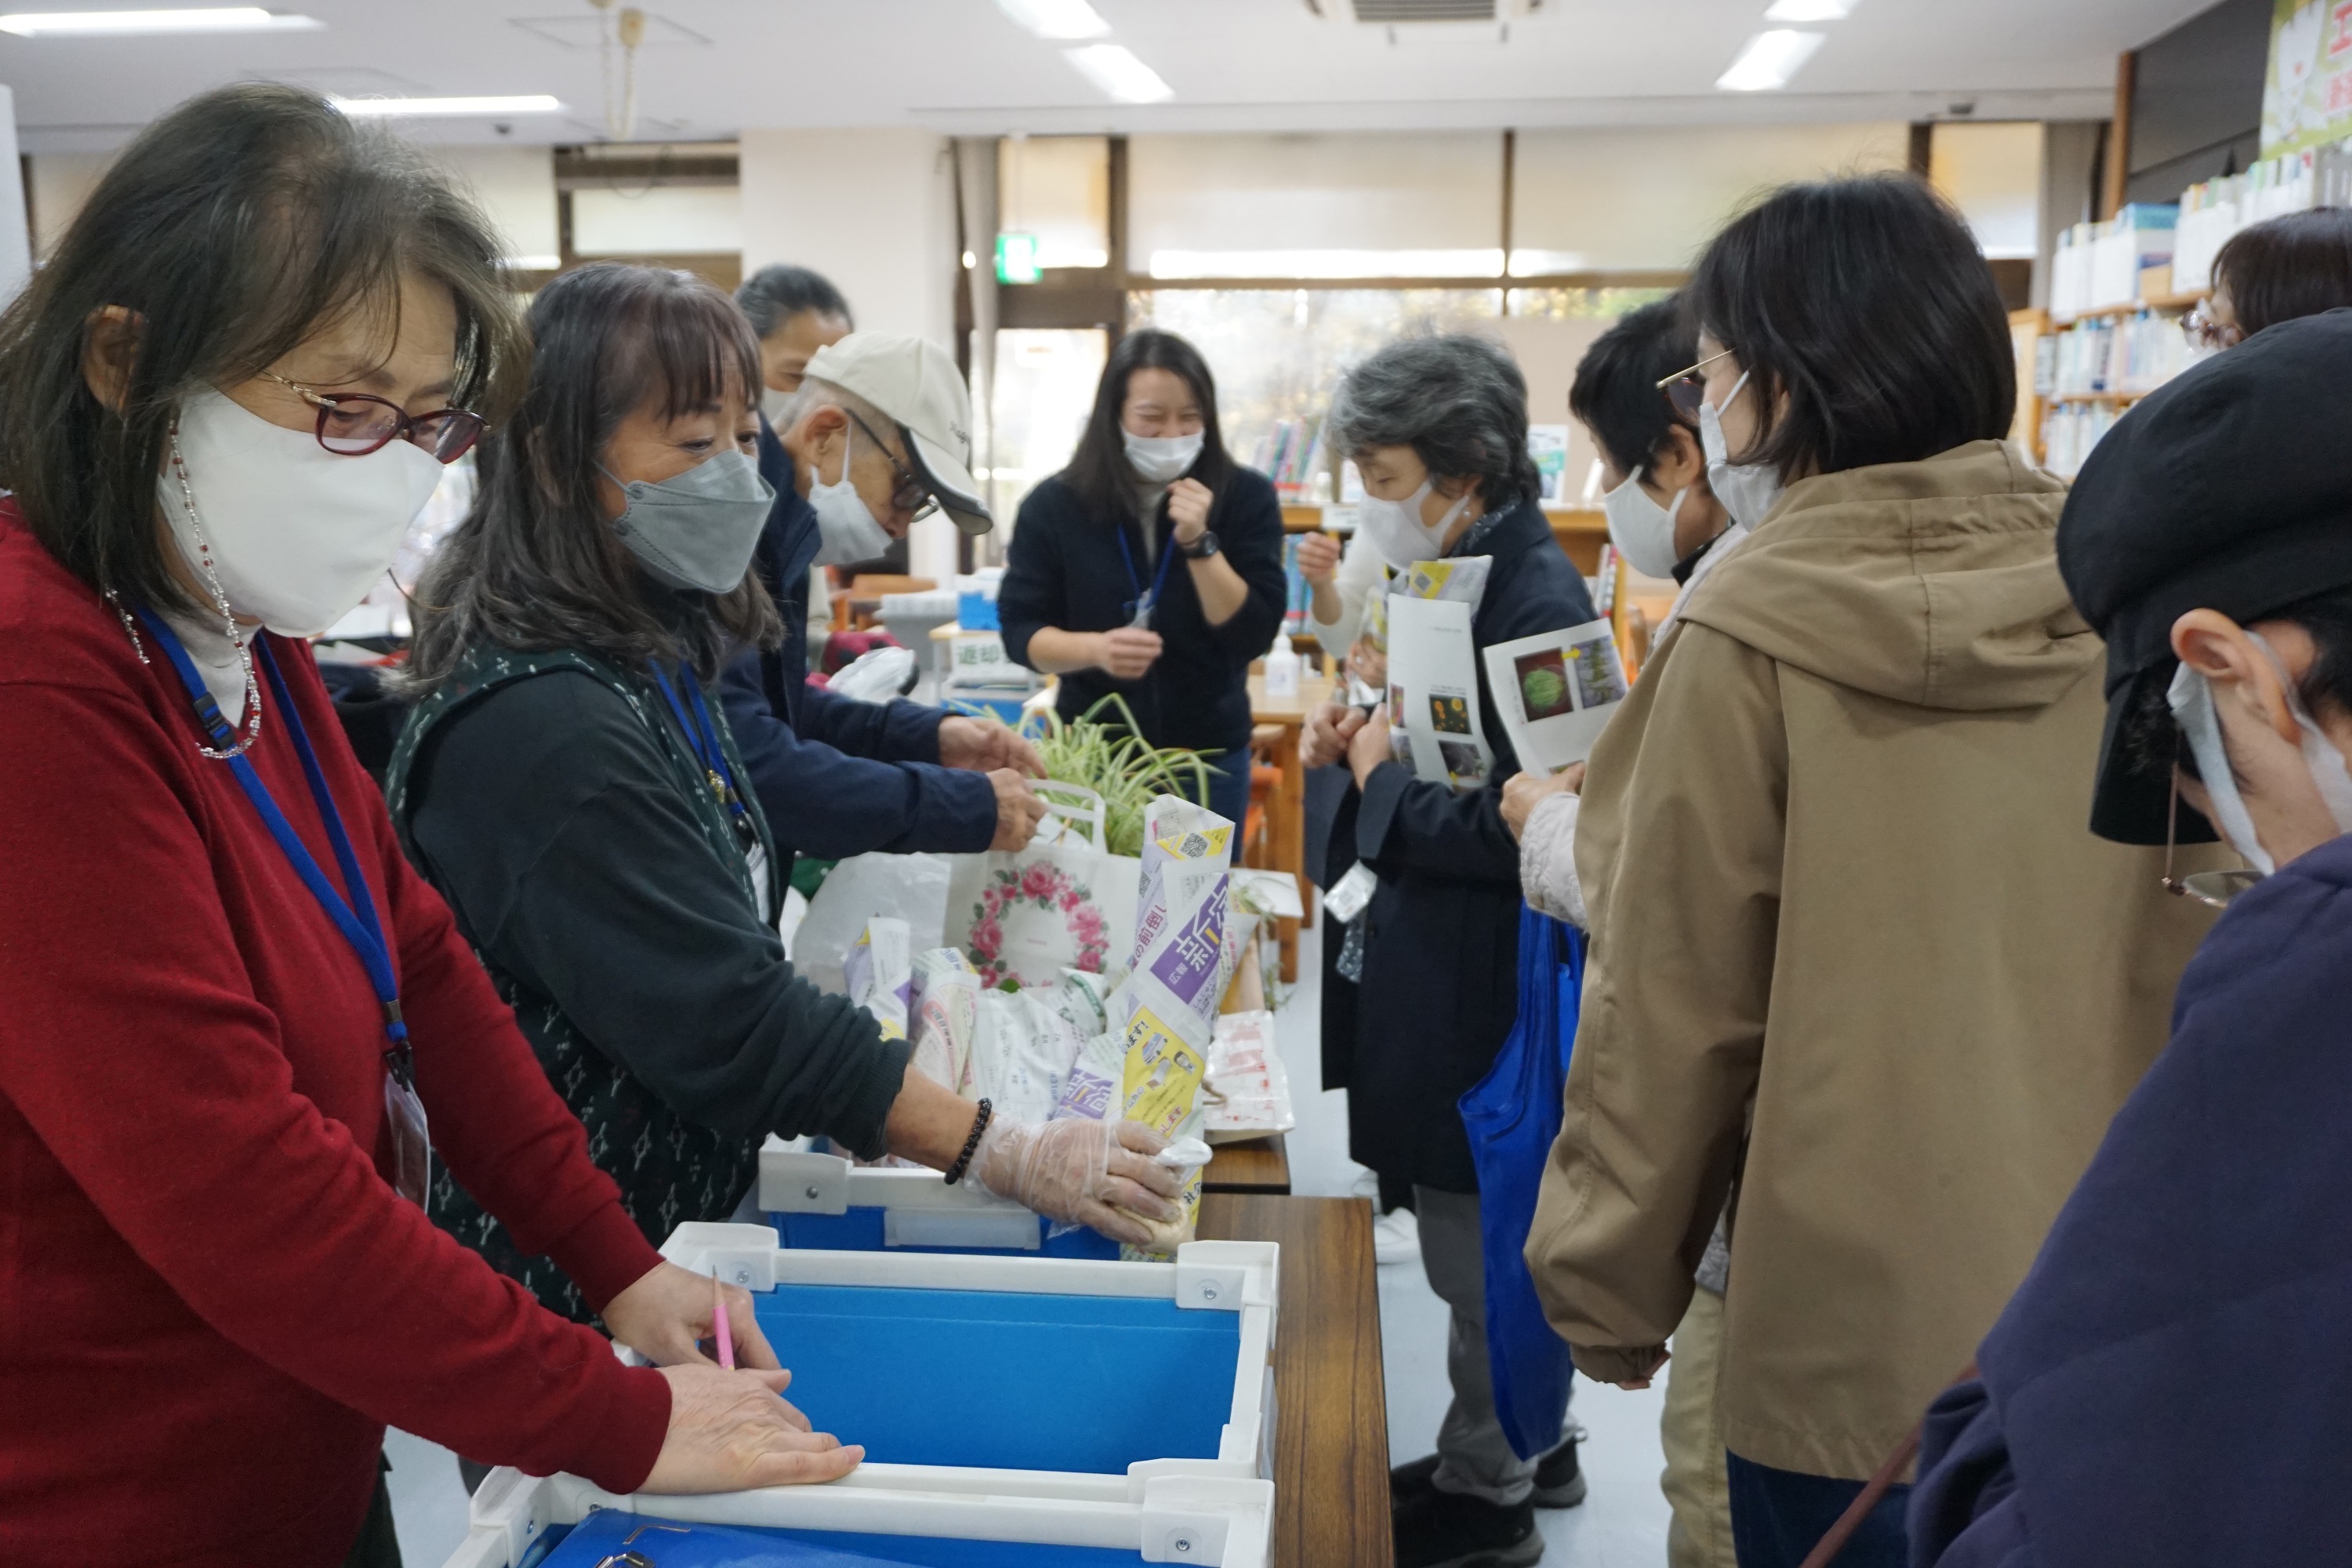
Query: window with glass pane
1043, 390
1057, 190
1276, 354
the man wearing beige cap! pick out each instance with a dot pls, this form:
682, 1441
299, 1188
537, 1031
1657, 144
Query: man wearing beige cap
879, 435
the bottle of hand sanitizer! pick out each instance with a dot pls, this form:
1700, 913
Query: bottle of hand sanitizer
1281, 668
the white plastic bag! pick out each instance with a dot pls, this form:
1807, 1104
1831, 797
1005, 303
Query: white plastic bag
1061, 903
1021, 1053
1247, 1093
877, 674
909, 887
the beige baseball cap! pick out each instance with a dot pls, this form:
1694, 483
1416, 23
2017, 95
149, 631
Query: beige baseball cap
916, 383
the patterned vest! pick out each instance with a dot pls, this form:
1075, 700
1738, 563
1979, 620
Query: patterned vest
670, 1170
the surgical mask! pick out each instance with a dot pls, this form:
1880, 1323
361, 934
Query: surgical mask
1642, 530
696, 531
2191, 701
850, 530
773, 403
296, 534
1163, 459
1747, 490
1394, 526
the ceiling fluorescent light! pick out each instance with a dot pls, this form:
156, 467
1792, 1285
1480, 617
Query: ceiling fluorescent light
526, 103
1769, 60
117, 24
1117, 72
1057, 18
1809, 10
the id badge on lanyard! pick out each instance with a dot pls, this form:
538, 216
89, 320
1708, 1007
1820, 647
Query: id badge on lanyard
1144, 598
355, 916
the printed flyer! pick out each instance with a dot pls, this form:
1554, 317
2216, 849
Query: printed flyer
1555, 691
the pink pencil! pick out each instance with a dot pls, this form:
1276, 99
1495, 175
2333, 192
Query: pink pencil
725, 1335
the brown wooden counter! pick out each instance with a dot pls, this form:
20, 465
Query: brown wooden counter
1331, 1433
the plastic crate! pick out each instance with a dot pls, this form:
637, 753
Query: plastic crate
1114, 1411
815, 1198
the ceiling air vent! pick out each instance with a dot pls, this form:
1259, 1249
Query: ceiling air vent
1414, 12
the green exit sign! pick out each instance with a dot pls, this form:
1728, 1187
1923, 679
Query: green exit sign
1017, 258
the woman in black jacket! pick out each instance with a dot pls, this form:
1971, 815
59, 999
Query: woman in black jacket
1093, 585
569, 782
1438, 427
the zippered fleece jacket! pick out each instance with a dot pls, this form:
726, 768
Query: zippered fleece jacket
1837, 863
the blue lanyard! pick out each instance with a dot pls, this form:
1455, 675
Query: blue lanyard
1158, 580
355, 916
703, 736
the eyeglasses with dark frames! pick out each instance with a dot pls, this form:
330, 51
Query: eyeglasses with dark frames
2212, 889
1686, 389
912, 494
353, 424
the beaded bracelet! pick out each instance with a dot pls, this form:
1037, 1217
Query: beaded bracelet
971, 1145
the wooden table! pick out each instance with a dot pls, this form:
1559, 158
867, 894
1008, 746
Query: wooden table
1285, 812
1250, 1165
1331, 1420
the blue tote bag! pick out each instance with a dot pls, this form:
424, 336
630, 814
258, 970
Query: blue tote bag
1512, 1116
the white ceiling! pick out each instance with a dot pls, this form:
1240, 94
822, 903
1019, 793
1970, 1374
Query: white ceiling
962, 66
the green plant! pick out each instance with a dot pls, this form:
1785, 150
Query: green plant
1111, 758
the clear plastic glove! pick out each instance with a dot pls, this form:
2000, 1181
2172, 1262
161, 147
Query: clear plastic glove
1095, 1173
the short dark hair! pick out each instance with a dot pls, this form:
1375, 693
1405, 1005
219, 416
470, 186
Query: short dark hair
233, 228
2297, 265
1868, 303
1099, 474
535, 566
1458, 401
774, 295
1615, 394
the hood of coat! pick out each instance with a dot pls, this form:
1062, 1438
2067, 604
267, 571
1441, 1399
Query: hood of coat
1933, 582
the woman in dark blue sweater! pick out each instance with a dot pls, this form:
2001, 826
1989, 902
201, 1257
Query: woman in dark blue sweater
1152, 567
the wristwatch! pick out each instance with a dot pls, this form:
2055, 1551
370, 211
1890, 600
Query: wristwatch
1199, 549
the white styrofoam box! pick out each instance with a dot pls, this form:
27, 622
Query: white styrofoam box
1161, 1509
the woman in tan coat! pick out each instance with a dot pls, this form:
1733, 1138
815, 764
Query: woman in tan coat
1846, 907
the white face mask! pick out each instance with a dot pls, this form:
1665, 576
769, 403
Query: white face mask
1394, 526
1642, 530
1163, 459
773, 403
2192, 699
296, 534
850, 530
1747, 490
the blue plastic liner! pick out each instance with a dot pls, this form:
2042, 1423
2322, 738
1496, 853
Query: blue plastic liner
1513, 1115
668, 1543
1005, 1381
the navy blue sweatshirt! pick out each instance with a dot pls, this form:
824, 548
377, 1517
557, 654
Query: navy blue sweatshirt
2172, 1383
837, 776
1064, 569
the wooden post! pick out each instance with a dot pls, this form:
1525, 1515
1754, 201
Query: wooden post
2119, 138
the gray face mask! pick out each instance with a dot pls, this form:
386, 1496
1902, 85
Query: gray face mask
699, 530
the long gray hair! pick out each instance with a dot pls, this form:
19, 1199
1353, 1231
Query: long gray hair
1459, 402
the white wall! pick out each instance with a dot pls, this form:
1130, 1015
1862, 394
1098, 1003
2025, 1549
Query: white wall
61, 183
16, 238
874, 212
516, 188
1647, 198
662, 220
1993, 174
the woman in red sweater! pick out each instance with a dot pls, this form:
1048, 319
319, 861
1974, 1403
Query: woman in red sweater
230, 1005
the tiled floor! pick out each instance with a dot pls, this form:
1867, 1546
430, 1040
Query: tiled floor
1622, 1525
